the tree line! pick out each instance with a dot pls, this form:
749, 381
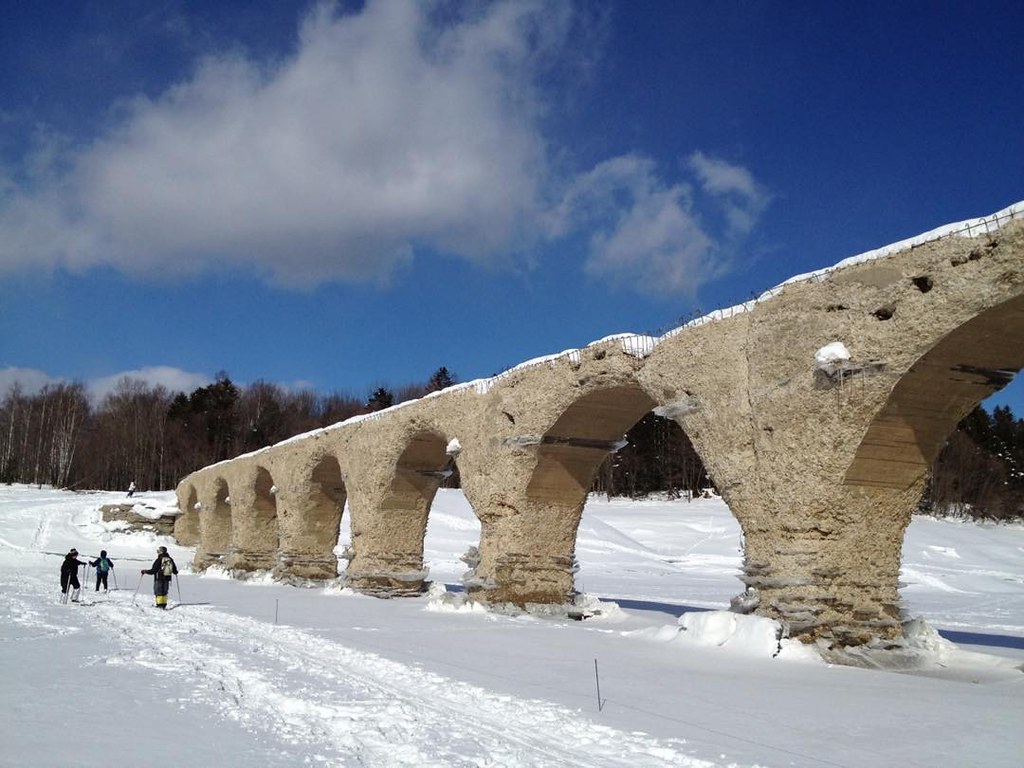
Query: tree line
154, 437
150, 435
980, 471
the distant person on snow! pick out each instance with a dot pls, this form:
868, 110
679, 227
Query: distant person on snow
69, 574
131, 488
162, 571
102, 564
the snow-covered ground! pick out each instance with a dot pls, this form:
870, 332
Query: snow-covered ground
259, 674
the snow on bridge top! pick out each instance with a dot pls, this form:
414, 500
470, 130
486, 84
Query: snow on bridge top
640, 345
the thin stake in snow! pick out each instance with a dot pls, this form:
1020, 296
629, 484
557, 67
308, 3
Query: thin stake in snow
597, 678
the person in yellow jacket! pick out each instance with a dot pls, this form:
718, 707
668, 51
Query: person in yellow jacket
162, 570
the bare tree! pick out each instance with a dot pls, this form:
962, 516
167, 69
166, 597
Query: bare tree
338, 406
13, 402
71, 409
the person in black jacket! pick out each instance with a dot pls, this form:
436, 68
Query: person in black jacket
102, 564
69, 574
162, 570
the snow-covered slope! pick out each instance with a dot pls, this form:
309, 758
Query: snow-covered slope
244, 674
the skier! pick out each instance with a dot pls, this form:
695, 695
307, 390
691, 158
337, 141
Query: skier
131, 488
102, 564
163, 569
69, 575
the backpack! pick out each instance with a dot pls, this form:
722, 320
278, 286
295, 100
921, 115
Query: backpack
104, 565
167, 567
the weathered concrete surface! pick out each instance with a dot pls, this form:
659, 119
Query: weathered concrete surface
186, 527
840, 463
821, 466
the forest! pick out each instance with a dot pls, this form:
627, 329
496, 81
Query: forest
154, 437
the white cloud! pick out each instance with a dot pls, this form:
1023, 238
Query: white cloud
719, 177
741, 198
172, 379
657, 245
399, 128
32, 380
648, 233
385, 131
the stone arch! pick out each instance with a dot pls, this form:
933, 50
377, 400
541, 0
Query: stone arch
214, 525
969, 364
310, 519
835, 574
538, 541
186, 527
387, 556
892, 461
789, 443
256, 539
574, 447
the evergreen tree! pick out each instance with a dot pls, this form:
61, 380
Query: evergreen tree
978, 471
441, 379
657, 457
381, 398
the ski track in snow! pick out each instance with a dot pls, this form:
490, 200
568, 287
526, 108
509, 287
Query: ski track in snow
325, 701
911, 576
42, 534
371, 712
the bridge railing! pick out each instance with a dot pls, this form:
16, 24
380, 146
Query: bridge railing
642, 345
985, 225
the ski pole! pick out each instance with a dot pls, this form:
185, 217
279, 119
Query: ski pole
115, 578
177, 583
136, 589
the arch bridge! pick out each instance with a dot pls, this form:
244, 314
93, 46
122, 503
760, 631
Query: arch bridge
817, 410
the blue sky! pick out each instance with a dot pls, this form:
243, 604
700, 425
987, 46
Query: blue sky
346, 195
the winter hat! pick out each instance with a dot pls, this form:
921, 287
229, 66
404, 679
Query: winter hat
73, 551
162, 550
103, 553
